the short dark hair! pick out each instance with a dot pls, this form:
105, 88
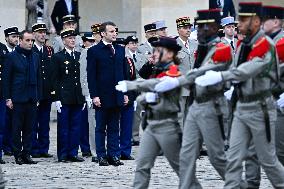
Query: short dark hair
105, 24
22, 33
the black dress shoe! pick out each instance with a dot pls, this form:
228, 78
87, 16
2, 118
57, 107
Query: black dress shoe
95, 159
46, 155
203, 153
19, 160
103, 162
8, 153
36, 156
63, 160
127, 158
115, 161
135, 143
86, 154
28, 160
2, 161
76, 159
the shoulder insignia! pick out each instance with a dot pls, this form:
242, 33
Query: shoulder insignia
259, 49
280, 49
223, 53
173, 71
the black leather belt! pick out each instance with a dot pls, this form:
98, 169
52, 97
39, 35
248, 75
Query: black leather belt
208, 97
252, 98
161, 116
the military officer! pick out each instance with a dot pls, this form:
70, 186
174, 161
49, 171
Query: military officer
229, 28
255, 71
186, 56
68, 97
85, 90
12, 40
69, 22
88, 41
146, 48
163, 131
161, 28
209, 105
41, 129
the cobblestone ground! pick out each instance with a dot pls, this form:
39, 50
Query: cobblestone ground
48, 173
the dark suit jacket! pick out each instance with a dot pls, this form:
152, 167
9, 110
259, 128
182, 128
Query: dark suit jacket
44, 72
60, 10
3, 53
15, 77
66, 78
104, 71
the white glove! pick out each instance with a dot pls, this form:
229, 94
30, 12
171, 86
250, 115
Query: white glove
166, 84
151, 97
280, 102
228, 93
89, 101
58, 106
121, 86
210, 78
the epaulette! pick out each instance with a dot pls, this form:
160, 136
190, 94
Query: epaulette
173, 71
259, 49
280, 49
223, 53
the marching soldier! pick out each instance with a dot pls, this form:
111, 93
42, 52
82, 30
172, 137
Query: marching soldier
163, 131
12, 40
68, 97
207, 115
69, 22
255, 72
41, 129
272, 26
186, 56
85, 90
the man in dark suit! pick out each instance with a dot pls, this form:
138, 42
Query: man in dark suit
106, 66
69, 99
21, 92
62, 8
41, 128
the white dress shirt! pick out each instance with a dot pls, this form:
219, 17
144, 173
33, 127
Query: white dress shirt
106, 43
10, 49
70, 52
184, 43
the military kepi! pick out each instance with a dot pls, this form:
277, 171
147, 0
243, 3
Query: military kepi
272, 12
11, 31
183, 21
96, 28
67, 33
69, 18
250, 9
150, 27
208, 16
39, 27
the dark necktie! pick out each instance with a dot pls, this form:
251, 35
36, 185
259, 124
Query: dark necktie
110, 47
72, 55
134, 58
232, 45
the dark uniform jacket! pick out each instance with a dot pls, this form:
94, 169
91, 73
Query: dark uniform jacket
3, 52
66, 78
20, 77
131, 76
45, 72
104, 71
60, 10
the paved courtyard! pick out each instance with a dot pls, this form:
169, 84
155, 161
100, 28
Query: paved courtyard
48, 173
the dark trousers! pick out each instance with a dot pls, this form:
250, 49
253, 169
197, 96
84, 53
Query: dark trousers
126, 122
84, 138
68, 131
23, 120
107, 124
41, 128
229, 8
7, 141
2, 123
